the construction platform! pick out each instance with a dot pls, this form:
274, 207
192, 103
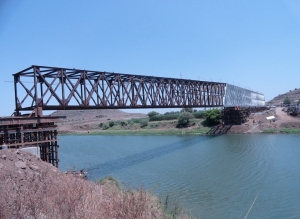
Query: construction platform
25, 132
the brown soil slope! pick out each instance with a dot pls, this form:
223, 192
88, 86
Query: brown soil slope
258, 122
31, 188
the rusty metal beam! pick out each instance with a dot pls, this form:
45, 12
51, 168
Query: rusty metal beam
18, 120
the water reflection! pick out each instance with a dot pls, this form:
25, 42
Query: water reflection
132, 160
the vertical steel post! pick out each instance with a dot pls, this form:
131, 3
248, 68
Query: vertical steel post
35, 86
16, 80
62, 78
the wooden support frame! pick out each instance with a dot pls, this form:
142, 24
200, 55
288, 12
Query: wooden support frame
21, 132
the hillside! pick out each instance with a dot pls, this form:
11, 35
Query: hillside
293, 95
87, 120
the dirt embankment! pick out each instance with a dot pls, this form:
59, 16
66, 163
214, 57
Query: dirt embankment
258, 122
31, 188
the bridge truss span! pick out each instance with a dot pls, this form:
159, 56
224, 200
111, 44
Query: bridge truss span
52, 88
237, 96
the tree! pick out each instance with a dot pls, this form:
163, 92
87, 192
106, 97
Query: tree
111, 123
199, 114
212, 116
287, 101
152, 113
184, 118
189, 110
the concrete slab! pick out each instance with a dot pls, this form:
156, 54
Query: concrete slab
32, 150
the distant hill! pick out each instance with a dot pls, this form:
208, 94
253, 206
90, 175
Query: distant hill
293, 95
97, 114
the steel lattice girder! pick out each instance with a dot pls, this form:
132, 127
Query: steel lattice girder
237, 96
54, 88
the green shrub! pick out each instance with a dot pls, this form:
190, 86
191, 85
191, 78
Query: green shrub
287, 101
123, 123
152, 113
184, 118
212, 117
187, 110
164, 117
105, 126
153, 125
199, 114
111, 123
136, 120
172, 112
130, 122
144, 123
111, 181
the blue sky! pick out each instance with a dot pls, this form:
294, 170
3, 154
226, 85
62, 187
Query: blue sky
253, 44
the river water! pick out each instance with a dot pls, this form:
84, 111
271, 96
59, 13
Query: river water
211, 176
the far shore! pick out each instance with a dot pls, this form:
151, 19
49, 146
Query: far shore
178, 132
116, 122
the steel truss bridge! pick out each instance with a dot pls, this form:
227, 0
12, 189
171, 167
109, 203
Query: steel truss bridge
40, 88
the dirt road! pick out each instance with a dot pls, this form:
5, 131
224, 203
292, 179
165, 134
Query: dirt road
284, 117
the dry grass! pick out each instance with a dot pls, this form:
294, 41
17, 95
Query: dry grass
69, 197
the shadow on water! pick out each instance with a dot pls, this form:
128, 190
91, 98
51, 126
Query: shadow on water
131, 160
219, 130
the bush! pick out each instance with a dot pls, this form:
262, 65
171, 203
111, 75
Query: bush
212, 117
105, 126
164, 117
111, 123
199, 114
136, 120
123, 123
144, 123
172, 112
152, 113
153, 125
188, 110
287, 101
184, 118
